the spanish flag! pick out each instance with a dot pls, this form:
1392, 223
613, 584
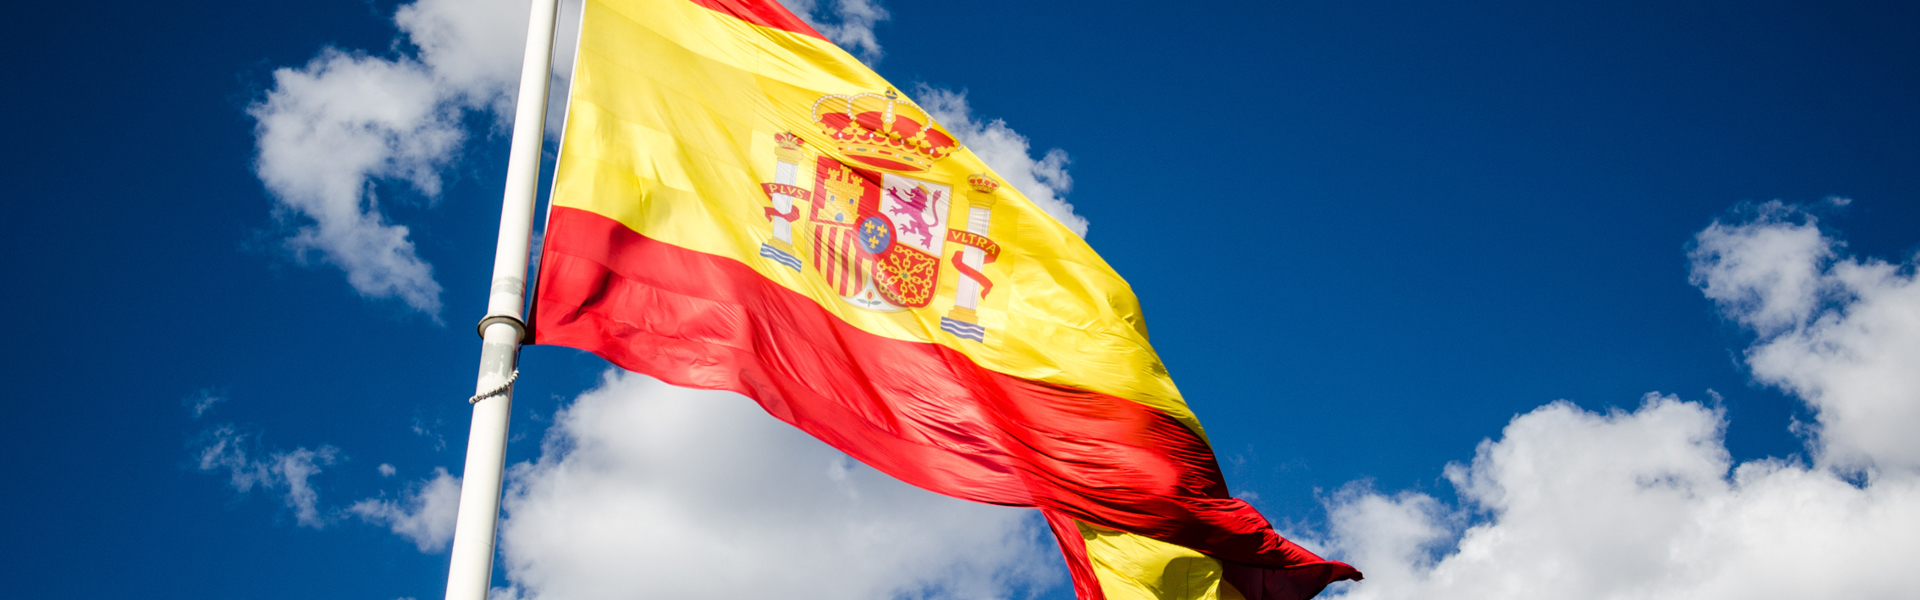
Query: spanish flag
741, 205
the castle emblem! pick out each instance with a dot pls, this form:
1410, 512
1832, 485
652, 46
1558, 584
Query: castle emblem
877, 229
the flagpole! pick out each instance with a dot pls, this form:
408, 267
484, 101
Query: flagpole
470, 575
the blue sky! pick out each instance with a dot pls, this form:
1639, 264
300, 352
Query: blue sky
1372, 240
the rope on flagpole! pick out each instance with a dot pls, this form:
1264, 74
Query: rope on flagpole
496, 391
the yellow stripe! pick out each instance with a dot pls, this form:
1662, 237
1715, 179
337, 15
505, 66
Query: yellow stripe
670, 132
1132, 567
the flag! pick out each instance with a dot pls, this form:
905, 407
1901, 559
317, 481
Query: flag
741, 205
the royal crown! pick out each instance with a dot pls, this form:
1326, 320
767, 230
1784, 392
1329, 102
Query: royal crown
882, 130
983, 187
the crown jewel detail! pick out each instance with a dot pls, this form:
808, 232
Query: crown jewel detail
882, 130
787, 147
983, 183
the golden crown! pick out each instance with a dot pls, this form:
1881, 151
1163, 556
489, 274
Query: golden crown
883, 130
787, 147
982, 183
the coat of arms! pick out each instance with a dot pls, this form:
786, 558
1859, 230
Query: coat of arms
878, 229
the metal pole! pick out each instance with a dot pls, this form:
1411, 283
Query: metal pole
470, 575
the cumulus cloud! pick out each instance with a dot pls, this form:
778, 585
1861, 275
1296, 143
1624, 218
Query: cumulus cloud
1766, 273
1841, 333
1575, 504
285, 474
424, 514
1043, 180
848, 23
645, 490
1641, 504
328, 131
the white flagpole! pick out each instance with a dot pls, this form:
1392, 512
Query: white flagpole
471, 574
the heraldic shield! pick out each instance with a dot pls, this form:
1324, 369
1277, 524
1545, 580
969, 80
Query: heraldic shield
878, 244
876, 229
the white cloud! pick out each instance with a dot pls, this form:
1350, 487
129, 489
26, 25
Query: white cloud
430, 431
203, 401
1648, 504
1841, 333
1044, 180
1766, 274
645, 490
425, 515
473, 48
328, 131
1631, 505
286, 474
848, 23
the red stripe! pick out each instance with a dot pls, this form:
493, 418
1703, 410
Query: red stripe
1291, 583
1086, 586
851, 279
921, 412
817, 240
765, 13
842, 276
830, 268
